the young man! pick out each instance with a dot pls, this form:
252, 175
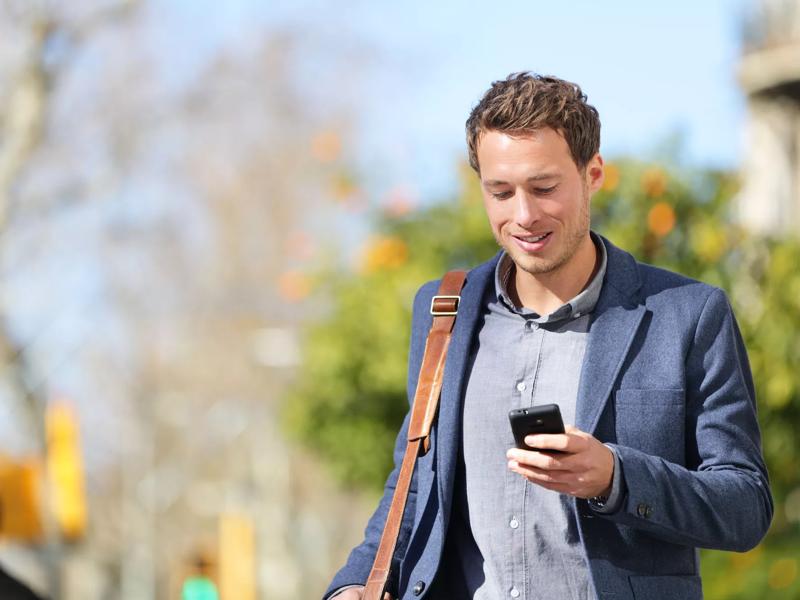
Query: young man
664, 455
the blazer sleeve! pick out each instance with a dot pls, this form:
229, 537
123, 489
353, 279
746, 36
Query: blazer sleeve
721, 499
356, 569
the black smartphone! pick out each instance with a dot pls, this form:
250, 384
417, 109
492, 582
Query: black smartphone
535, 419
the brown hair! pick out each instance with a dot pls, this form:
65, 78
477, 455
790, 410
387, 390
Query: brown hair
524, 102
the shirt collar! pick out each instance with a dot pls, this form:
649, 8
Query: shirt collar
581, 304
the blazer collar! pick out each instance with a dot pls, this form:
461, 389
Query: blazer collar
622, 272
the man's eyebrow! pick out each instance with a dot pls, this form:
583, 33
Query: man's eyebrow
539, 177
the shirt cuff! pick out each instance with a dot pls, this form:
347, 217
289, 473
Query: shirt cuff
618, 489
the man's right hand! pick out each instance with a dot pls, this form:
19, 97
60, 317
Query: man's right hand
355, 593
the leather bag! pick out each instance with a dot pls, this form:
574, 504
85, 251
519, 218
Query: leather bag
444, 307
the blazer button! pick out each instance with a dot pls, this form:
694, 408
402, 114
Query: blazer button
644, 510
418, 587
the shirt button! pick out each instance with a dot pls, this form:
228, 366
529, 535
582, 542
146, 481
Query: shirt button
521, 386
513, 524
514, 592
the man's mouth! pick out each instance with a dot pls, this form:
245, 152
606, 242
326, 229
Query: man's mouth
532, 243
531, 239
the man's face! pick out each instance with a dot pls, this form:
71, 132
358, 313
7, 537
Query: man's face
536, 199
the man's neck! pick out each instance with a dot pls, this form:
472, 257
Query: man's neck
545, 292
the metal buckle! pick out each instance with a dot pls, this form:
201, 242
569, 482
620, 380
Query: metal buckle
444, 313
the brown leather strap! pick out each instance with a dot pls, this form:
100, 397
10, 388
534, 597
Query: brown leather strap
444, 307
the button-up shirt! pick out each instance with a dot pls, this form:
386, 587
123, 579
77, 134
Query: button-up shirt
509, 538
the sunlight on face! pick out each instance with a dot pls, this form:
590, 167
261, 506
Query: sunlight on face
536, 199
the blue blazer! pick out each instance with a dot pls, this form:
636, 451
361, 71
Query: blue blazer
666, 381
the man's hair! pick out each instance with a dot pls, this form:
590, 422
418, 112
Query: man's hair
524, 102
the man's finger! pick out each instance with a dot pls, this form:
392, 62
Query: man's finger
561, 488
555, 486
547, 475
551, 441
563, 482
542, 460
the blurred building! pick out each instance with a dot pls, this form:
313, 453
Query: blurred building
770, 76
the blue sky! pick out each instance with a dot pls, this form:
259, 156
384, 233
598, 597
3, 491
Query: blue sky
653, 70
650, 68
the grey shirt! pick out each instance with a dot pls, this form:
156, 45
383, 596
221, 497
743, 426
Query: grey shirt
509, 538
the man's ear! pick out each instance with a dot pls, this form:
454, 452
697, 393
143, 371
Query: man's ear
595, 173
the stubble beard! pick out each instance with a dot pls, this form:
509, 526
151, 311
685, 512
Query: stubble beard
535, 265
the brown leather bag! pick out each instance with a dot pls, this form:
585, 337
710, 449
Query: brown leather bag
444, 307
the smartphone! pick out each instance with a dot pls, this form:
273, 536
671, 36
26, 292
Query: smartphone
535, 419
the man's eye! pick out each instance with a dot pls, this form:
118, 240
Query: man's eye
502, 195
545, 191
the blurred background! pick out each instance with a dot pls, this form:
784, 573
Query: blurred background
213, 219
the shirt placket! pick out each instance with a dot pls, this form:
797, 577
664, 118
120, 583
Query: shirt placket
516, 489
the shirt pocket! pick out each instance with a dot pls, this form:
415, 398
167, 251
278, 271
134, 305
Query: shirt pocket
653, 421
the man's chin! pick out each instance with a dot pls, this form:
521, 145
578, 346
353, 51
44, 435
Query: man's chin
538, 268
532, 264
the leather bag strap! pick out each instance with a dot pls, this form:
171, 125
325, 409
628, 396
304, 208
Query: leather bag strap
444, 307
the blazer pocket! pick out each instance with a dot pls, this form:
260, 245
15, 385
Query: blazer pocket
652, 421
666, 587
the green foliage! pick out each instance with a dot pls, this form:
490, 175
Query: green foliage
351, 399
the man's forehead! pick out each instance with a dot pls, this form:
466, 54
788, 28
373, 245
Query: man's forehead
531, 156
533, 178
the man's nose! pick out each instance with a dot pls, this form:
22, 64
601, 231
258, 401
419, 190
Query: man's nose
526, 211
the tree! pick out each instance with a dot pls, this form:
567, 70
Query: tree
199, 178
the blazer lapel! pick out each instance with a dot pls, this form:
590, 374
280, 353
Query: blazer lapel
449, 421
615, 320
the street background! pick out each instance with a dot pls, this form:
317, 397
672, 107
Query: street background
213, 220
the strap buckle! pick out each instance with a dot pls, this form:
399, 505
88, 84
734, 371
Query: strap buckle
445, 306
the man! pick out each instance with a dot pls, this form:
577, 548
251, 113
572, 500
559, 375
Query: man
664, 455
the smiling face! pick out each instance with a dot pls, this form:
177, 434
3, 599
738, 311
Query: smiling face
537, 201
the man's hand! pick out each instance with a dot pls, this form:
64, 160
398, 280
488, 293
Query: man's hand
355, 593
585, 470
